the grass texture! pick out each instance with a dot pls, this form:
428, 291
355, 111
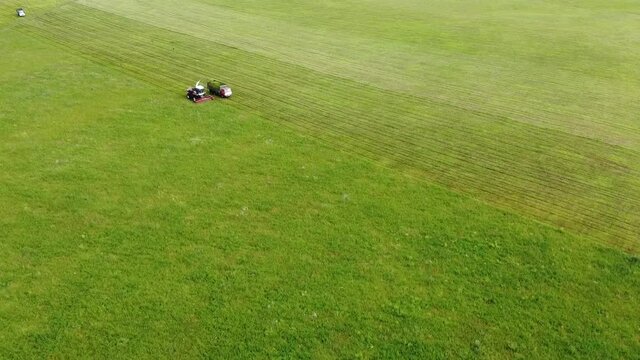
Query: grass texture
376, 188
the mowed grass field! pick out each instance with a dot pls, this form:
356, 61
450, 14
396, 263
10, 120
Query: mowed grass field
392, 179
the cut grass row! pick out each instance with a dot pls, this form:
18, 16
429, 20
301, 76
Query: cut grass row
542, 173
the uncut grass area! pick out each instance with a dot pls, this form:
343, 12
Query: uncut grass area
401, 222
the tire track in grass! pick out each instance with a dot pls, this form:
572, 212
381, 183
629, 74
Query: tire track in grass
376, 135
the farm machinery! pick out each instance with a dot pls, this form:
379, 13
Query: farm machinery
220, 89
197, 93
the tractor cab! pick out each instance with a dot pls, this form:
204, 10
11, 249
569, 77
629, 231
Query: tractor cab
21, 12
199, 90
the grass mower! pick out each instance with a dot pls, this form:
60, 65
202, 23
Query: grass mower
197, 94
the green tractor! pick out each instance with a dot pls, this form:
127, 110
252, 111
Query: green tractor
218, 88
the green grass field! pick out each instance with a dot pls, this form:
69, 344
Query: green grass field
392, 179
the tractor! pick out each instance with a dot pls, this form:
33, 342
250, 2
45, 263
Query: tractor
197, 94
